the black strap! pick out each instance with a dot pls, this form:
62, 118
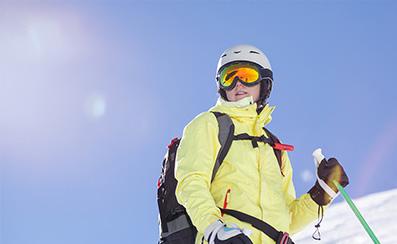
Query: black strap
254, 139
277, 152
320, 214
258, 224
225, 137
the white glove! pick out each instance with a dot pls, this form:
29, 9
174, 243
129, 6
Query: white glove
219, 233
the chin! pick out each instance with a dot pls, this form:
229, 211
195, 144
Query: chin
241, 97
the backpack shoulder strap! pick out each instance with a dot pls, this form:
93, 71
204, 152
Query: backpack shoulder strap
225, 137
277, 152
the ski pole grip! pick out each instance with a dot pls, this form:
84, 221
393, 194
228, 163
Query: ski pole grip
318, 156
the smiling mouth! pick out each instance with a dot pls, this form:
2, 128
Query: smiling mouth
241, 93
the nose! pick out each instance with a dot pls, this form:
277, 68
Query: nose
238, 84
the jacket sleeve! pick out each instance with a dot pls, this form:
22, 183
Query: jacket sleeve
195, 161
303, 210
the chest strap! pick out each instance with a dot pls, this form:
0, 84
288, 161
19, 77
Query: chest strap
255, 139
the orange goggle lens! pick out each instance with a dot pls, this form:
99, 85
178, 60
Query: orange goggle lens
246, 74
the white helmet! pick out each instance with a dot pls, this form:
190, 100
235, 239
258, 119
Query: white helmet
250, 54
243, 53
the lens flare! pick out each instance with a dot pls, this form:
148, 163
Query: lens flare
307, 176
95, 106
377, 157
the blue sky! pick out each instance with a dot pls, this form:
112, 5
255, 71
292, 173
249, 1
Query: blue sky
91, 93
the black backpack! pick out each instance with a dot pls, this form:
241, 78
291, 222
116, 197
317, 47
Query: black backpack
175, 224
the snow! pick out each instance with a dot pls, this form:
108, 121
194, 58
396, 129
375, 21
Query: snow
340, 225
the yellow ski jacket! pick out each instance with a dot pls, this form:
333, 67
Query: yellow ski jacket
249, 179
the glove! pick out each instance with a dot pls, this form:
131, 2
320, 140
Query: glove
219, 233
324, 191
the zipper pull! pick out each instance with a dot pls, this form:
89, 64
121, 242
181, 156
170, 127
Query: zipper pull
226, 200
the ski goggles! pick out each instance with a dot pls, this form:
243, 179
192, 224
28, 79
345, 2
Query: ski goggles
248, 74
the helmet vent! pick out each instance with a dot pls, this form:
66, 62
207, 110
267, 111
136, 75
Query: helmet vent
254, 52
236, 52
224, 55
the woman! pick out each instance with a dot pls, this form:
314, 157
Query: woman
250, 180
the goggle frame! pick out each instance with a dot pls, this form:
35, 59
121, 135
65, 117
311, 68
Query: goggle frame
242, 64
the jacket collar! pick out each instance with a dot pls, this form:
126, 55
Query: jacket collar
244, 109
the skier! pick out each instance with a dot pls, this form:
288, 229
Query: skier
251, 179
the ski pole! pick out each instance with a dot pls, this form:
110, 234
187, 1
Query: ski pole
318, 157
357, 213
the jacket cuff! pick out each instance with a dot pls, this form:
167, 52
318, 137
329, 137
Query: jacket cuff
318, 195
206, 221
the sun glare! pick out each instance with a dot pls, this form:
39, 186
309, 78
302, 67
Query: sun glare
307, 176
95, 106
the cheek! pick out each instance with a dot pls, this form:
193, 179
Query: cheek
258, 90
255, 91
229, 95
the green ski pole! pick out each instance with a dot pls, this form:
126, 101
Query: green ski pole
357, 213
318, 157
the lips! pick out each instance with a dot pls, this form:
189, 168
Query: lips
240, 93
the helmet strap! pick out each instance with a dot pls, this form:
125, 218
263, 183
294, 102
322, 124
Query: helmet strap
222, 93
265, 89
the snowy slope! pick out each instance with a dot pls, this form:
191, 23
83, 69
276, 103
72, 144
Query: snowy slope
340, 225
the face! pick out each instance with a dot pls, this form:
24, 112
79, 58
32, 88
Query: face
240, 91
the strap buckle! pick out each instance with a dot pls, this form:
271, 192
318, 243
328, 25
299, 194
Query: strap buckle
284, 238
173, 142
